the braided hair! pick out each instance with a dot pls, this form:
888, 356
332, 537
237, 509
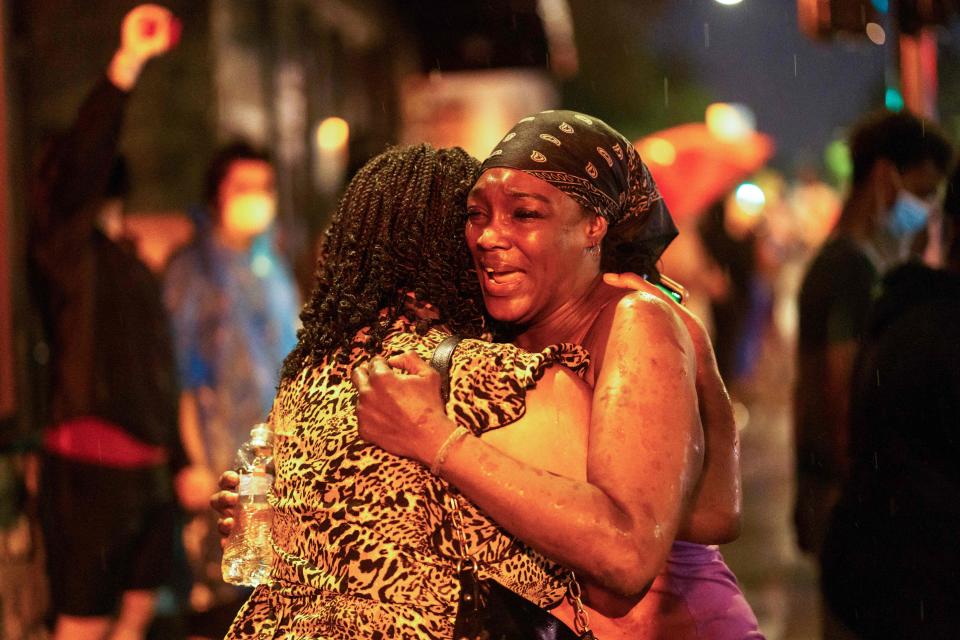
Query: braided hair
399, 229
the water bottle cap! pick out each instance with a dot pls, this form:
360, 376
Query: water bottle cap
261, 433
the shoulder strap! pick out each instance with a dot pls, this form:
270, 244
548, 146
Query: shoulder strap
442, 357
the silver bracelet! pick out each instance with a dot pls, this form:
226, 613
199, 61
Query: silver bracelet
455, 436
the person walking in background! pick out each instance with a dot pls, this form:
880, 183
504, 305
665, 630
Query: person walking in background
890, 557
900, 163
736, 256
234, 307
112, 443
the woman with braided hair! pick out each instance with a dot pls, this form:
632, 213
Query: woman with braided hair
364, 547
395, 238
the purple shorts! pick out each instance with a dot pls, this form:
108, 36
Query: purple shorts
697, 596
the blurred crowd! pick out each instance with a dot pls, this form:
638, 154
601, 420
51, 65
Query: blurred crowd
863, 277
862, 283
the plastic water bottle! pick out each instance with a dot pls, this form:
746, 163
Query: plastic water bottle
249, 554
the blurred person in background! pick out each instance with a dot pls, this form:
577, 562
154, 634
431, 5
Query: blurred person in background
900, 164
890, 559
816, 206
234, 308
688, 261
735, 254
112, 444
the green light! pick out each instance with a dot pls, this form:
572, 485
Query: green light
894, 99
837, 158
677, 297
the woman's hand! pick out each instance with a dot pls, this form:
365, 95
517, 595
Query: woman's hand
224, 502
400, 410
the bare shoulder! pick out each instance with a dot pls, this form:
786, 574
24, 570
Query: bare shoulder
643, 307
630, 315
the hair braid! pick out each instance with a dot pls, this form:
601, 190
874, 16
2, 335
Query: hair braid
399, 228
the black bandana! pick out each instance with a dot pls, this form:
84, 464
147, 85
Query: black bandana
593, 164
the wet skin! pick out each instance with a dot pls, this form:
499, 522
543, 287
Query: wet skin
529, 243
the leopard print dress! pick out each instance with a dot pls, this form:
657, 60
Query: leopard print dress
362, 539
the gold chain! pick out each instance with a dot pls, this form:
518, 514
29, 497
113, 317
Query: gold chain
581, 619
463, 551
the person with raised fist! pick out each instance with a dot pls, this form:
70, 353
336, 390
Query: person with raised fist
112, 453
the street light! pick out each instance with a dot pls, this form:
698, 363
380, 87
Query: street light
729, 2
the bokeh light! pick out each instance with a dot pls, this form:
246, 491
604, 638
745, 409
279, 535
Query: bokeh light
837, 159
659, 151
730, 121
750, 198
893, 99
876, 33
333, 133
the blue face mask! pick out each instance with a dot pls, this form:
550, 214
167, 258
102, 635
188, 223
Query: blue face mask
908, 215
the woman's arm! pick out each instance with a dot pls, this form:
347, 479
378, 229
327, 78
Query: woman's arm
616, 527
714, 516
196, 480
76, 168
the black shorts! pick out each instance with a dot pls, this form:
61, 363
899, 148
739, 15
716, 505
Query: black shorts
106, 531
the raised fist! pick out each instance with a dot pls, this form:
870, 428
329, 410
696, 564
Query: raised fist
148, 30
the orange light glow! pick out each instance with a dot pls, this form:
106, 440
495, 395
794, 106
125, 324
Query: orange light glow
659, 151
876, 33
694, 168
333, 133
729, 121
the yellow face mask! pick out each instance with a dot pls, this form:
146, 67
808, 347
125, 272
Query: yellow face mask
249, 214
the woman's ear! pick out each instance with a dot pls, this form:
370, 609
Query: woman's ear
596, 229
